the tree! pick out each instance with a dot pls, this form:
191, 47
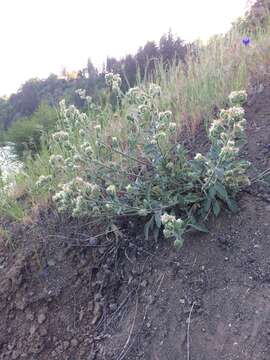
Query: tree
146, 58
171, 48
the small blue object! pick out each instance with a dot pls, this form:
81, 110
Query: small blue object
246, 40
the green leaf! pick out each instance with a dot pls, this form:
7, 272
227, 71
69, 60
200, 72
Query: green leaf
232, 205
212, 192
219, 173
199, 227
207, 204
192, 198
149, 148
216, 207
147, 227
221, 191
157, 219
148, 192
178, 243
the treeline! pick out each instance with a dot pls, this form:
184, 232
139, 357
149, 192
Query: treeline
51, 90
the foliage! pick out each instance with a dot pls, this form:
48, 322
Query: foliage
26, 132
145, 173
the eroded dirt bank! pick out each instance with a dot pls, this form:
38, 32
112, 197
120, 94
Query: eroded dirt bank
60, 298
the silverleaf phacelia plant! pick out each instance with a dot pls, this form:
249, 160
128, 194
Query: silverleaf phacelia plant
149, 175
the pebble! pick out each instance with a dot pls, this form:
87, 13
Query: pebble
144, 283
43, 331
65, 345
51, 262
74, 342
15, 354
113, 307
30, 316
32, 330
20, 304
41, 318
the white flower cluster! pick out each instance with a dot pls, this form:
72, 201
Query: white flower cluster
72, 118
231, 123
60, 136
166, 218
81, 93
87, 149
227, 135
164, 125
138, 96
75, 195
113, 81
56, 161
83, 96
173, 228
129, 188
111, 190
234, 113
238, 97
199, 157
154, 90
229, 151
43, 180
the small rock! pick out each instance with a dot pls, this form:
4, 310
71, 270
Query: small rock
30, 316
11, 346
74, 342
226, 258
101, 250
43, 331
15, 354
20, 304
113, 307
182, 301
97, 313
41, 318
51, 262
32, 330
144, 283
65, 345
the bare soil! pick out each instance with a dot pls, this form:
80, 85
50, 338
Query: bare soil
67, 295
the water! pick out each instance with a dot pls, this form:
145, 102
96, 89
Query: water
9, 165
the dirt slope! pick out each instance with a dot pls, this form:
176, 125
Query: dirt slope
59, 298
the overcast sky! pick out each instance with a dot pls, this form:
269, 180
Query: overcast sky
39, 37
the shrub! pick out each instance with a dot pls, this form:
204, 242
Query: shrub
26, 133
148, 173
